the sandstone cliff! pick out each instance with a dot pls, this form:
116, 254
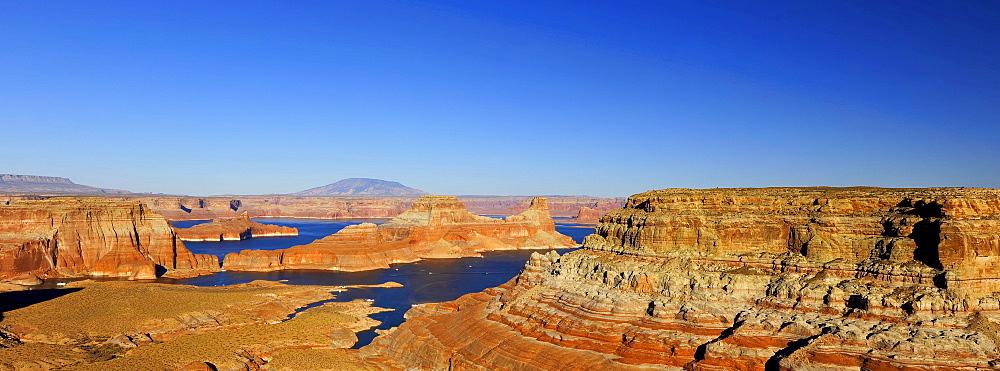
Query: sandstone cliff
591, 215
747, 279
558, 205
433, 227
344, 207
193, 208
71, 237
233, 229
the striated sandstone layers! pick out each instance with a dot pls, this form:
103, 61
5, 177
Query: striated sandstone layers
591, 215
73, 237
745, 279
558, 205
433, 227
233, 229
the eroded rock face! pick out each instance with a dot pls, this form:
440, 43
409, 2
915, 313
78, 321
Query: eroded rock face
558, 206
591, 215
749, 279
81, 236
343, 207
434, 227
233, 229
194, 208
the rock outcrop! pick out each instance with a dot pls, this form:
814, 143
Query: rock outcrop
433, 227
195, 208
344, 207
558, 205
74, 237
740, 279
233, 229
588, 215
591, 215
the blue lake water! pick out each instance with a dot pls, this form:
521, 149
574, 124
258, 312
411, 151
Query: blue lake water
309, 231
427, 281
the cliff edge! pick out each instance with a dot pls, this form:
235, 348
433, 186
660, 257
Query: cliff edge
746, 279
233, 229
433, 227
83, 236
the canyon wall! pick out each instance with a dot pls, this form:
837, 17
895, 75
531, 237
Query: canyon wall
83, 236
592, 214
558, 206
344, 207
233, 229
198, 208
433, 227
744, 279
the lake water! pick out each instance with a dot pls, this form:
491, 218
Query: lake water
427, 281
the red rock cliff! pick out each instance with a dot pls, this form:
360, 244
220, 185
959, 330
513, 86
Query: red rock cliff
70, 237
343, 207
744, 279
558, 206
233, 229
193, 208
433, 227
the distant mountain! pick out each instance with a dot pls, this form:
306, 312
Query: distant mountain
362, 187
10, 183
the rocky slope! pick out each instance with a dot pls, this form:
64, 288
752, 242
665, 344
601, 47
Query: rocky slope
433, 227
34, 184
745, 279
72, 237
233, 229
362, 187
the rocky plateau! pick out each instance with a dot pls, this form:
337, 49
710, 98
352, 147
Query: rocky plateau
233, 229
122, 325
433, 227
342, 207
740, 279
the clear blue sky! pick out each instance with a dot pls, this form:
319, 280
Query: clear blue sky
515, 97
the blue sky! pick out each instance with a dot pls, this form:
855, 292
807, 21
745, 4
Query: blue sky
467, 97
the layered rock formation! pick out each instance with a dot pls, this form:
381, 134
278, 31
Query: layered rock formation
591, 215
558, 205
746, 279
344, 207
72, 237
194, 208
233, 229
434, 227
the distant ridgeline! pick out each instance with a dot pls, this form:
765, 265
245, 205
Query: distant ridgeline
362, 187
10, 183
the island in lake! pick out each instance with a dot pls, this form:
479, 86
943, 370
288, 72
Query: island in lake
433, 227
